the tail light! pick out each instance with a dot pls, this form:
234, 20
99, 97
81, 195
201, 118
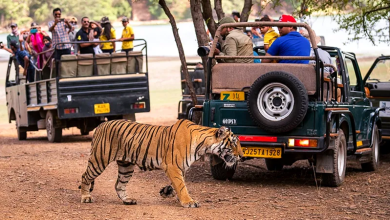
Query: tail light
138, 105
71, 110
302, 143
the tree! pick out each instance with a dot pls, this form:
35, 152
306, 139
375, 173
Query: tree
359, 18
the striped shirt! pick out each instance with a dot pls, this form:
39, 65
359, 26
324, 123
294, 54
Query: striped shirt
60, 34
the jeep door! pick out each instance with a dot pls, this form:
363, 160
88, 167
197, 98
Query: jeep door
377, 86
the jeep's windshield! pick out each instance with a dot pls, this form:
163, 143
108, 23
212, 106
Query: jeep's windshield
381, 72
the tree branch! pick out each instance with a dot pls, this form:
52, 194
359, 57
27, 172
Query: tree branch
246, 10
218, 9
180, 49
208, 16
364, 22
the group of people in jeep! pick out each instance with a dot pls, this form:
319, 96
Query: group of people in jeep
289, 42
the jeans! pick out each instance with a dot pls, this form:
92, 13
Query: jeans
59, 53
30, 75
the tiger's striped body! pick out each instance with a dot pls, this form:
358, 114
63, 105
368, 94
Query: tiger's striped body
171, 148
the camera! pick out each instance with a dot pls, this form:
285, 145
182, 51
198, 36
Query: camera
205, 50
62, 19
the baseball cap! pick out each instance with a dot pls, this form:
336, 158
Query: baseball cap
226, 20
13, 25
125, 19
34, 25
287, 18
104, 20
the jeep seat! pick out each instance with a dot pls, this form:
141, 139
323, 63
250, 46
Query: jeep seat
236, 76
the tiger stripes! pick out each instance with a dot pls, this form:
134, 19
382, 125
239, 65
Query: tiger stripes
171, 148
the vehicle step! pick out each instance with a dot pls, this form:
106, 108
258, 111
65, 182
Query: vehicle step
335, 109
363, 151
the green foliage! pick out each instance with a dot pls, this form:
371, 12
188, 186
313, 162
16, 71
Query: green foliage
25, 11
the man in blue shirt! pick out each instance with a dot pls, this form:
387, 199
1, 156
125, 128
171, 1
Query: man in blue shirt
291, 43
24, 60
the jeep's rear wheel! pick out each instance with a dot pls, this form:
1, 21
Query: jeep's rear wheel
339, 162
277, 102
219, 170
274, 164
374, 156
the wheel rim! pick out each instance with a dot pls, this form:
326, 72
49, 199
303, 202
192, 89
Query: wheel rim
49, 126
341, 159
275, 101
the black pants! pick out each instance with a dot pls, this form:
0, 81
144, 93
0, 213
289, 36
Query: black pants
59, 53
30, 75
108, 51
127, 50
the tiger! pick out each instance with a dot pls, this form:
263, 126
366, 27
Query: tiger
150, 147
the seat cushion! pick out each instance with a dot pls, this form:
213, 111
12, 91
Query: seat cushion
236, 76
68, 69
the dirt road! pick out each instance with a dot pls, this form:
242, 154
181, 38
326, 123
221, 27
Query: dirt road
40, 179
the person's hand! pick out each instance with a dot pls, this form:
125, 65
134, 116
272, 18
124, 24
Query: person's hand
67, 22
21, 40
216, 51
25, 72
56, 21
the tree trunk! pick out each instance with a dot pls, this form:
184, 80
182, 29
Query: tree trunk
208, 16
246, 10
218, 9
180, 49
132, 10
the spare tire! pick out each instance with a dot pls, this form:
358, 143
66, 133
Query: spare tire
277, 102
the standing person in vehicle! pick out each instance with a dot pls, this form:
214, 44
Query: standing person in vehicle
23, 59
127, 36
14, 35
108, 34
94, 35
59, 28
72, 32
236, 43
236, 16
83, 35
47, 50
291, 43
269, 33
36, 40
323, 55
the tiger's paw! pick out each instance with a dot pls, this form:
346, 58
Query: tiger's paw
191, 204
86, 199
167, 192
130, 202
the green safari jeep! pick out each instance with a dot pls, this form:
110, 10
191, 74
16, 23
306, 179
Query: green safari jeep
289, 112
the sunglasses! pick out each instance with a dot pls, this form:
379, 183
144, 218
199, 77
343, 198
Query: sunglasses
57, 14
85, 21
73, 22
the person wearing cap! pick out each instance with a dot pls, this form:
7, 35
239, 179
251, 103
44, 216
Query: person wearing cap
59, 29
23, 59
291, 43
127, 36
236, 43
108, 34
323, 55
14, 36
236, 16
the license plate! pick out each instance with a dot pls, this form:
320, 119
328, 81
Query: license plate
263, 152
102, 108
233, 96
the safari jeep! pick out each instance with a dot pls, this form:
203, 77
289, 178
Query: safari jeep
377, 87
289, 112
80, 90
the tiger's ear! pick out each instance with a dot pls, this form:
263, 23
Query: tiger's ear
222, 132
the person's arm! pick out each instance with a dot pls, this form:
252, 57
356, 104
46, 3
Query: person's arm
8, 50
254, 32
231, 50
128, 38
51, 28
68, 24
267, 60
21, 44
113, 37
266, 47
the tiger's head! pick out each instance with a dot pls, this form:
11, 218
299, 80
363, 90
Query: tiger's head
228, 146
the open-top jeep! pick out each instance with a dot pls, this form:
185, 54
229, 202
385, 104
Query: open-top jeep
79, 90
377, 87
288, 112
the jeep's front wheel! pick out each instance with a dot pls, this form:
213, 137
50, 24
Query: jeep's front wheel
53, 134
219, 170
339, 162
278, 102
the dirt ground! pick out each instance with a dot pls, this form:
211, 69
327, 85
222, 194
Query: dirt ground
39, 180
